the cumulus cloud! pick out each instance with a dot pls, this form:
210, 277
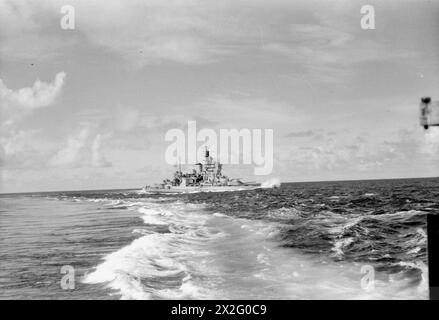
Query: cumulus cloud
83, 149
17, 150
71, 153
41, 94
97, 158
19, 145
24, 149
414, 152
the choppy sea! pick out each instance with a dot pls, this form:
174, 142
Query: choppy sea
320, 240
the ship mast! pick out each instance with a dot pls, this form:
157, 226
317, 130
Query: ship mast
209, 167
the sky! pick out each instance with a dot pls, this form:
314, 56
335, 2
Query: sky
88, 108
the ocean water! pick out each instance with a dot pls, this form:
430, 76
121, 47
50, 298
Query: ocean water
321, 240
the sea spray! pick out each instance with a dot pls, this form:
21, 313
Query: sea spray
271, 183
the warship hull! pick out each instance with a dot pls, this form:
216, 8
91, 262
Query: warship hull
196, 189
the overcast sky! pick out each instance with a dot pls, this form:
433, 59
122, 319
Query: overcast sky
88, 108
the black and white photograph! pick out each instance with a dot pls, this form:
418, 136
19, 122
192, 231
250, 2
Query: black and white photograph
219, 150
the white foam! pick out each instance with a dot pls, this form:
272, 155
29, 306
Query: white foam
271, 183
159, 255
149, 256
217, 214
149, 211
134, 260
342, 227
263, 259
209, 256
340, 244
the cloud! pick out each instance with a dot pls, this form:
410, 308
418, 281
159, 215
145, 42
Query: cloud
24, 150
72, 153
197, 32
300, 134
151, 32
40, 95
97, 158
82, 149
230, 111
18, 150
143, 32
20, 147
410, 143
323, 52
410, 152
430, 143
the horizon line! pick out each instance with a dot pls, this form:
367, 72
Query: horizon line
137, 188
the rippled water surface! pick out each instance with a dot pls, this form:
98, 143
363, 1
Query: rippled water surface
316, 240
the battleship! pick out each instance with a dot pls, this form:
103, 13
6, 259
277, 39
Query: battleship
206, 177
